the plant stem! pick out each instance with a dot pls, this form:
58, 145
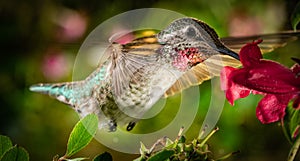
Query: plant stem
207, 137
294, 150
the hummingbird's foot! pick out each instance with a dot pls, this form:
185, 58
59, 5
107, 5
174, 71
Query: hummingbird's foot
130, 126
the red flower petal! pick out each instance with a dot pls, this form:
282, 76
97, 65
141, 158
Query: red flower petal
224, 76
278, 83
233, 91
250, 54
268, 77
272, 108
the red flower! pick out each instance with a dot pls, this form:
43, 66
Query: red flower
278, 84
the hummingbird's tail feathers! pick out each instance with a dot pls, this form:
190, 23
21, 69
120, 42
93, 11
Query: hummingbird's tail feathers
41, 88
61, 91
270, 41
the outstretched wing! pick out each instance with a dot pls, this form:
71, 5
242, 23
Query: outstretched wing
270, 41
212, 66
129, 59
129, 64
204, 71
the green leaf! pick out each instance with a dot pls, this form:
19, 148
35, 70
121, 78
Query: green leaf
181, 139
103, 157
143, 149
5, 144
15, 154
291, 122
169, 143
162, 155
82, 134
294, 123
295, 18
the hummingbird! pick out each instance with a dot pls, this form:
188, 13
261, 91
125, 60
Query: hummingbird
137, 74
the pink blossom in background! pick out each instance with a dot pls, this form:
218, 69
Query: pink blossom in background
277, 83
242, 24
71, 25
55, 65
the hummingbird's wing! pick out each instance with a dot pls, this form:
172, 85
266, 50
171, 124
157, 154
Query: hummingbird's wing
127, 66
131, 69
270, 41
201, 72
130, 58
212, 66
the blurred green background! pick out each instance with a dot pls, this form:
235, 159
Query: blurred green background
39, 42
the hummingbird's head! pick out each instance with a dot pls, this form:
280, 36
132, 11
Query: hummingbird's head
190, 41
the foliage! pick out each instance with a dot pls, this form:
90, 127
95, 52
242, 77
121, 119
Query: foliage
290, 125
295, 19
179, 149
8, 152
81, 136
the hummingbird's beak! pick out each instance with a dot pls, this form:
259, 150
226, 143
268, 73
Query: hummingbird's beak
229, 52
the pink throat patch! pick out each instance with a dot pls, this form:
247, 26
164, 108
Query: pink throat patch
186, 58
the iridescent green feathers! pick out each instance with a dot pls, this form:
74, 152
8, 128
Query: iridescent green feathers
61, 91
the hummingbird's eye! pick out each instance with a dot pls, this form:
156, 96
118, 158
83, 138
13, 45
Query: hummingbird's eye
190, 32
